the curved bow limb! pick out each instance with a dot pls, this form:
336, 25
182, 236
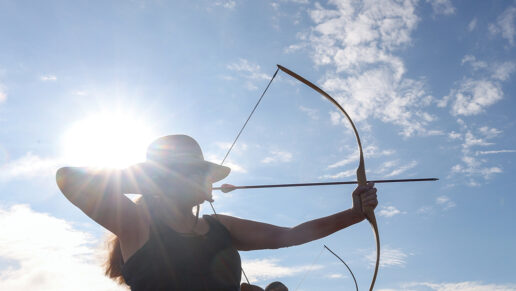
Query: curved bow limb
361, 175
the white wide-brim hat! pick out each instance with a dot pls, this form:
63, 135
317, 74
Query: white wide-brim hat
180, 151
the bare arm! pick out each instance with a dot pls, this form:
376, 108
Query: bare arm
252, 235
99, 194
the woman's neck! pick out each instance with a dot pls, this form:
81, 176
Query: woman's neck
179, 217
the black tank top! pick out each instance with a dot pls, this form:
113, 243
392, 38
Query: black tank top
172, 261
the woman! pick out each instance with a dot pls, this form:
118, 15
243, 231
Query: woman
160, 243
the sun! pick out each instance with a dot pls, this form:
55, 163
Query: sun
113, 140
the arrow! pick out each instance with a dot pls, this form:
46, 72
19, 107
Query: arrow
228, 187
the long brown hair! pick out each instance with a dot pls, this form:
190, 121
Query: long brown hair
114, 262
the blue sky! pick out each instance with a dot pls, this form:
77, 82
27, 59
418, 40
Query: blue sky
429, 84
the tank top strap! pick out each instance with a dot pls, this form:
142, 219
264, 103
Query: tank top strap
216, 224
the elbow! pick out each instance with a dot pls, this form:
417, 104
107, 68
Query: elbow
61, 178
283, 240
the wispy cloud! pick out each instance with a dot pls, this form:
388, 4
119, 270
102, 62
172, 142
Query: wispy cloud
390, 257
472, 60
29, 166
49, 254
402, 169
312, 113
494, 152
505, 25
265, 269
278, 157
370, 151
388, 211
489, 132
339, 175
249, 71
472, 25
470, 165
444, 7
445, 202
460, 286
231, 4
46, 78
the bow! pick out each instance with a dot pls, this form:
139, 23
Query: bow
361, 175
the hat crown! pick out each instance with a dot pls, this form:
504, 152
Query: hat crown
171, 148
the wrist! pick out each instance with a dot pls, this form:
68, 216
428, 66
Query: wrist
357, 214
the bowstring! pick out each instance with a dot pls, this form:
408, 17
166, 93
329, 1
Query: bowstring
309, 269
233, 144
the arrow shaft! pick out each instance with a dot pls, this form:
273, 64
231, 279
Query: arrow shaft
322, 184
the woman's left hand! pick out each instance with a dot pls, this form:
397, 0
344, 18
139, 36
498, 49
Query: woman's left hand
364, 197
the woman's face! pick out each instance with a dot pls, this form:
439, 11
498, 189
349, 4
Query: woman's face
189, 184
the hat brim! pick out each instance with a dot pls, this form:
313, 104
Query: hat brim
214, 171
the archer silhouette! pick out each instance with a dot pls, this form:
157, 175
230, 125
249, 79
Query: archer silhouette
160, 243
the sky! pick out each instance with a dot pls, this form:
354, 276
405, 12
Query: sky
430, 85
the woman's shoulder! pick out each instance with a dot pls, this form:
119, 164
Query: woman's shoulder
219, 220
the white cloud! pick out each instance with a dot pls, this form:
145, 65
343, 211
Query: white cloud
444, 7
498, 71
389, 257
445, 202
454, 135
47, 254
473, 96
340, 175
358, 39
470, 165
472, 25
388, 211
312, 113
369, 151
472, 60
462, 286
80, 93
226, 4
489, 132
265, 269
402, 169
494, 152
503, 71
29, 166
505, 25
334, 276
249, 71
46, 78
278, 157
470, 141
